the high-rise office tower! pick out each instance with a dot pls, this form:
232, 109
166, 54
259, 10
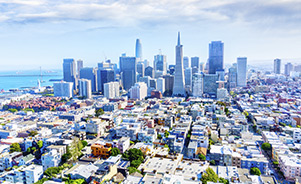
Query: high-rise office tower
146, 80
140, 69
161, 85
242, 71
277, 66
149, 71
179, 83
288, 68
63, 89
216, 56
195, 70
186, 63
111, 90
195, 62
128, 70
104, 76
202, 67
232, 77
188, 78
138, 50
80, 65
169, 83
210, 84
160, 63
69, 70
146, 63
221, 74
138, 91
84, 88
90, 74
197, 85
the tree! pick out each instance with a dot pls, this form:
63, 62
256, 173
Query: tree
202, 157
159, 136
12, 110
84, 143
212, 162
266, 146
255, 171
209, 175
133, 170
40, 144
135, 163
33, 133
135, 156
99, 112
115, 152
166, 133
223, 180
15, 147
74, 149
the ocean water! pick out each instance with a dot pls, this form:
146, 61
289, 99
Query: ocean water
27, 79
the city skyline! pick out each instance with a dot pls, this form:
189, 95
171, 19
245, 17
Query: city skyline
41, 32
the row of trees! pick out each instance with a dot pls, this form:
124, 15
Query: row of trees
136, 157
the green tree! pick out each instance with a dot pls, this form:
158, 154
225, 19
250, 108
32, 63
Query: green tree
133, 170
266, 146
202, 157
135, 156
15, 147
135, 163
212, 162
115, 152
40, 144
13, 110
84, 143
223, 180
166, 133
52, 171
255, 171
159, 136
33, 133
99, 112
74, 149
209, 175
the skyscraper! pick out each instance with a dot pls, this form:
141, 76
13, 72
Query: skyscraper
128, 69
160, 63
90, 74
195, 62
104, 76
186, 63
84, 89
69, 70
210, 84
138, 50
140, 69
179, 83
161, 85
288, 68
232, 77
138, 91
63, 89
111, 90
149, 71
188, 78
277, 66
169, 83
216, 56
197, 85
80, 65
242, 71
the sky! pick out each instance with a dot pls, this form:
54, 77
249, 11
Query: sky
36, 33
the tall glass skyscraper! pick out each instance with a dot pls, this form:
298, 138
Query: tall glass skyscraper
138, 50
90, 74
104, 76
216, 56
160, 63
69, 72
195, 62
128, 70
277, 66
242, 71
179, 83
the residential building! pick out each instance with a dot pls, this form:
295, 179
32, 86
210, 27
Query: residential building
111, 90
63, 89
101, 150
85, 90
51, 159
139, 91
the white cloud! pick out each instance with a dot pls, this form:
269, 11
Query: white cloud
136, 12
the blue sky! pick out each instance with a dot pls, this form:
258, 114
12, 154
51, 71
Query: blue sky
37, 33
